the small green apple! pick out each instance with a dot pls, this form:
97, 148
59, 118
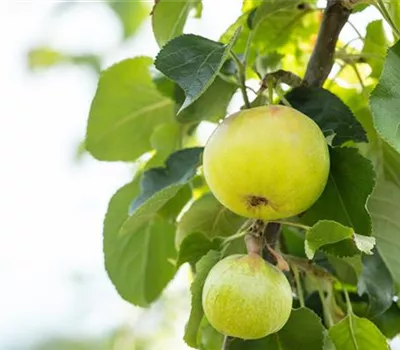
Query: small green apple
268, 162
246, 297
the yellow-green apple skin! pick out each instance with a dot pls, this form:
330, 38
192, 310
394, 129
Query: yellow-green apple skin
246, 297
268, 162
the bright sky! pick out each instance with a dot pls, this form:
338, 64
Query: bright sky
51, 263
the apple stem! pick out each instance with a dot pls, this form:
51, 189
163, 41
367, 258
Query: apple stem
226, 342
253, 244
281, 95
294, 224
270, 85
254, 237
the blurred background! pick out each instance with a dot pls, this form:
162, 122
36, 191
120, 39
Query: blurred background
54, 292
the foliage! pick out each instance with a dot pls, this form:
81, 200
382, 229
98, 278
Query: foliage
343, 251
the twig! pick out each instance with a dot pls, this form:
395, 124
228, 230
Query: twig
270, 85
226, 342
348, 302
243, 230
325, 306
242, 78
309, 267
356, 30
299, 288
358, 57
294, 224
380, 5
247, 48
335, 17
354, 66
332, 80
281, 95
239, 233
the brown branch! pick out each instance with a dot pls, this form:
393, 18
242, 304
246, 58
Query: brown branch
335, 17
271, 236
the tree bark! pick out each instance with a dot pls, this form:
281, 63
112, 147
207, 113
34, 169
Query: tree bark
321, 62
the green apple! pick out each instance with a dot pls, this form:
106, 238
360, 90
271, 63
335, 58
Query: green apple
246, 297
268, 162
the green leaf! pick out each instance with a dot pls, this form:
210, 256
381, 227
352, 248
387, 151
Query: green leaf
268, 63
384, 206
280, 19
166, 86
347, 268
385, 158
160, 184
385, 99
350, 182
389, 322
302, 321
169, 18
355, 333
329, 112
193, 62
358, 104
138, 262
198, 9
211, 105
208, 338
324, 234
303, 330
237, 246
294, 241
375, 46
359, 7
203, 267
250, 4
328, 344
377, 283
391, 163
174, 206
209, 217
46, 57
124, 112
131, 14
194, 246
394, 10
164, 140
272, 10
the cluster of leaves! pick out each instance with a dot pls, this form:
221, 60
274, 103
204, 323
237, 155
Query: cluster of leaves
344, 250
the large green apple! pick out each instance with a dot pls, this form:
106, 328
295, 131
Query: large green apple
268, 162
246, 297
